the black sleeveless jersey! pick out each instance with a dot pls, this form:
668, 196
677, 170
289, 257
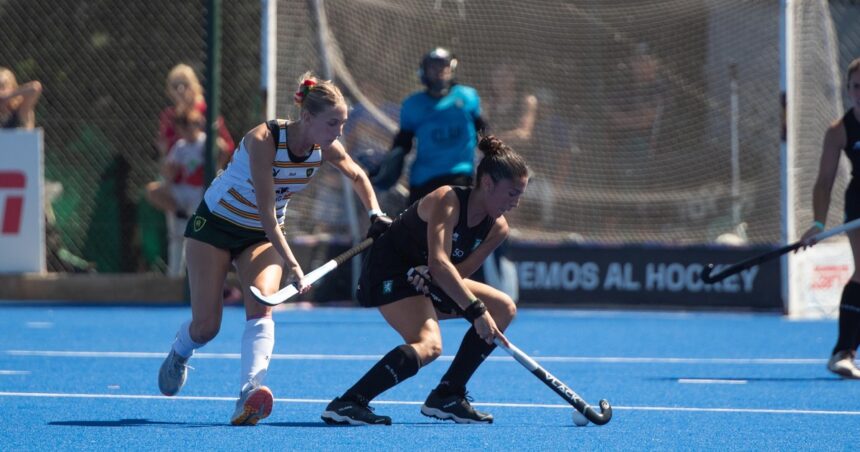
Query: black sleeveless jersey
852, 144
407, 236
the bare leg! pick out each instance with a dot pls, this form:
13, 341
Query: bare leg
415, 320
207, 270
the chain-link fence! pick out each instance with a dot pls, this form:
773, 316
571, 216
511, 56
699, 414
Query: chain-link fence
103, 65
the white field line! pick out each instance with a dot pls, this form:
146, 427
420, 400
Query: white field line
58, 395
334, 357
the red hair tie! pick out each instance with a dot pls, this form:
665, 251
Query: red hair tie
304, 88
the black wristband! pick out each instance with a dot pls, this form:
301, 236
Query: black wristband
475, 309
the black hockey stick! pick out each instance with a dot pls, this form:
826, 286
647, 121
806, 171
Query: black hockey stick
734, 269
291, 290
440, 297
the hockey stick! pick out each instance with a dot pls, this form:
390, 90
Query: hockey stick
605, 414
291, 290
709, 278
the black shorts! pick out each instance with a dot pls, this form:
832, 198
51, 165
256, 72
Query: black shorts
383, 277
383, 281
852, 200
220, 233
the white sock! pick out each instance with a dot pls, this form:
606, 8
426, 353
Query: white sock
258, 341
183, 345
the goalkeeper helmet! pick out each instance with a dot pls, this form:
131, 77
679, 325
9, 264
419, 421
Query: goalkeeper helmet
438, 54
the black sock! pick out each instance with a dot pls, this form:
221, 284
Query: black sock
849, 318
473, 351
399, 364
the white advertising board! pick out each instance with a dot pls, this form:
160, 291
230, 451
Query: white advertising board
817, 276
22, 224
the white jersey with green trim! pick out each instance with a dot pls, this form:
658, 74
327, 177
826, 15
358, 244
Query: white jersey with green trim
231, 196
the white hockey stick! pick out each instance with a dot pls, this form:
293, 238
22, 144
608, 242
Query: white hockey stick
291, 290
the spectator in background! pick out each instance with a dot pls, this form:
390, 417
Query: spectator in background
635, 107
17, 103
186, 93
554, 147
510, 107
444, 119
842, 135
17, 110
181, 188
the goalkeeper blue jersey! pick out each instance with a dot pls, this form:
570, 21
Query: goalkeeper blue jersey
445, 130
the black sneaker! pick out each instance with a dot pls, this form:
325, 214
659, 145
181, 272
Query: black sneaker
349, 412
455, 407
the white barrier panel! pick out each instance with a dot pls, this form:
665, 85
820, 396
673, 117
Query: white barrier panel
22, 224
817, 276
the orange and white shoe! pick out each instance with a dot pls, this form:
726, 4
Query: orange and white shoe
254, 403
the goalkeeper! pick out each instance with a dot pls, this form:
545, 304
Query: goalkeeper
444, 119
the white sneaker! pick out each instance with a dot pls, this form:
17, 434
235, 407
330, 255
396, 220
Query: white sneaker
254, 403
172, 374
842, 364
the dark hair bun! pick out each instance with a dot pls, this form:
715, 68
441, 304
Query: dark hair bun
490, 145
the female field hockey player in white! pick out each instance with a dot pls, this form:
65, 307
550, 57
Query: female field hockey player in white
240, 220
446, 235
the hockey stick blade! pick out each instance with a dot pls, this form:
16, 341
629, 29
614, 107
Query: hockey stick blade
708, 277
291, 290
598, 418
577, 402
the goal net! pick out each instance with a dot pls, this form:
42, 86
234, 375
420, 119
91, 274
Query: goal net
658, 121
634, 138
821, 39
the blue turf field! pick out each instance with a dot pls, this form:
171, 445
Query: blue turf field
75, 378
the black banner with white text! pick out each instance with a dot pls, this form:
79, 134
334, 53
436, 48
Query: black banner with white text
650, 276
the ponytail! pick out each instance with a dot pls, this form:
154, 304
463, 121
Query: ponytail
316, 95
500, 161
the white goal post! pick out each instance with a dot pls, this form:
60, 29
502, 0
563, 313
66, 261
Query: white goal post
814, 86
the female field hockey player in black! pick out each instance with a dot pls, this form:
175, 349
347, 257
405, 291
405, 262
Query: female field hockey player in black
446, 235
844, 134
241, 221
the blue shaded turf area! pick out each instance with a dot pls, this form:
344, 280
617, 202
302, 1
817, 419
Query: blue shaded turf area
76, 378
